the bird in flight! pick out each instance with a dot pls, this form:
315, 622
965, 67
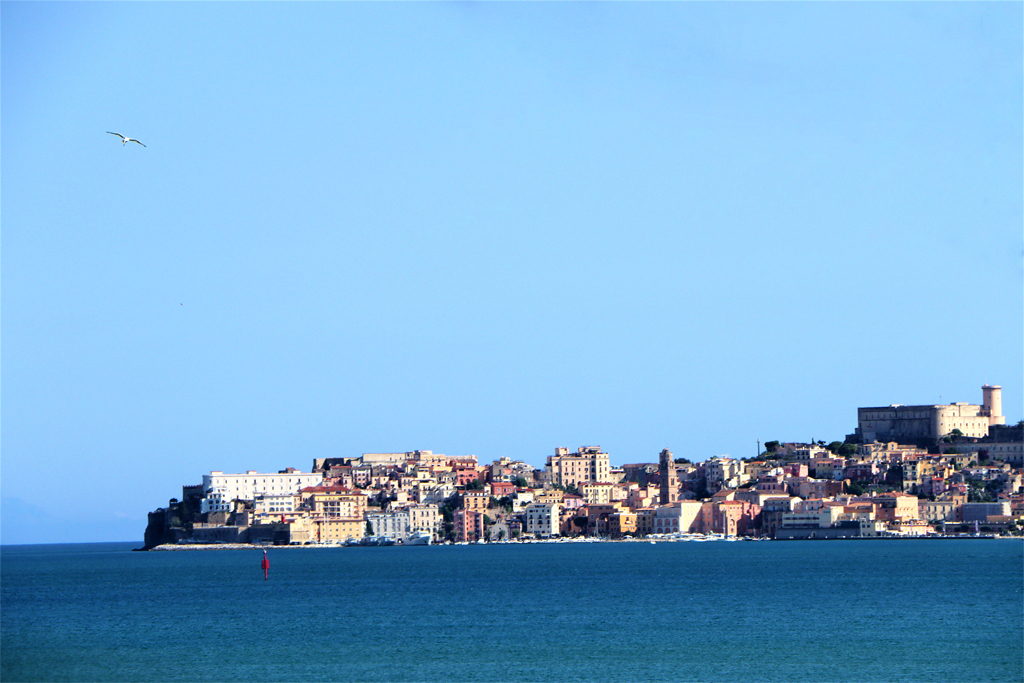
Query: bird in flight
125, 140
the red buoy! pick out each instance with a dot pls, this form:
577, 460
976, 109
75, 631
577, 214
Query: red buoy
265, 564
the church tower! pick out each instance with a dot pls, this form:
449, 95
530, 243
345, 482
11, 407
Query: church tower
667, 476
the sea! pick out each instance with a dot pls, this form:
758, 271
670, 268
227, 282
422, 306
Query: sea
818, 611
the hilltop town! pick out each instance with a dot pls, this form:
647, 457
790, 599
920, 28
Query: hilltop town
904, 471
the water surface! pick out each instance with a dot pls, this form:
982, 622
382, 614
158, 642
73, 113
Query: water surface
913, 610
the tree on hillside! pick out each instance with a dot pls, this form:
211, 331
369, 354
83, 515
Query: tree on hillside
980, 492
580, 523
771, 446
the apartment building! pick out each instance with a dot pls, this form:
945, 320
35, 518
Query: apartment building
596, 493
469, 525
723, 472
476, 500
338, 529
542, 519
394, 524
334, 501
425, 518
219, 489
270, 504
683, 516
588, 464
621, 524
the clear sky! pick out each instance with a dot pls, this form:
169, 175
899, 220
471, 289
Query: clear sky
489, 229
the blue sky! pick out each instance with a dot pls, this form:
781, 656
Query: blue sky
489, 229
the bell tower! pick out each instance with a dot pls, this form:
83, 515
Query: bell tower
668, 478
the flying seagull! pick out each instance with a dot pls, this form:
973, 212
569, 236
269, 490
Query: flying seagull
125, 140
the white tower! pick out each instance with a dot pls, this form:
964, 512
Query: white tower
992, 404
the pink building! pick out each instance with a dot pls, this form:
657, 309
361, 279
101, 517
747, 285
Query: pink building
730, 517
796, 470
466, 473
500, 489
571, 501
469, 525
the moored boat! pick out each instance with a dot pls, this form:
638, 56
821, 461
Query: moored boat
419, 538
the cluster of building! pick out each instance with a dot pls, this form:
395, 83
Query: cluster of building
906, 470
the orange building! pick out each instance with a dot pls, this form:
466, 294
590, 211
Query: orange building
476, 500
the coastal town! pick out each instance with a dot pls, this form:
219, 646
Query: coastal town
905, 471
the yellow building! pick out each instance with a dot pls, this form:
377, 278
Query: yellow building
338, 529
596, 493
644, 521
895, 508
476, 500
549, 496
622, 523
333, 501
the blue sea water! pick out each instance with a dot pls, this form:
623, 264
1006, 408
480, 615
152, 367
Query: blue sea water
901, 610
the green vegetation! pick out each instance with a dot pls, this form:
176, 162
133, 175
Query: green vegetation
853, 488
981, 492
843, 450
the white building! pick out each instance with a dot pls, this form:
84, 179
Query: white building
908, 423
520, 500
723, 472
542, 519
822, 517
428, 493
426, 518
394, 524
220, 489
681, 517
269, 504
